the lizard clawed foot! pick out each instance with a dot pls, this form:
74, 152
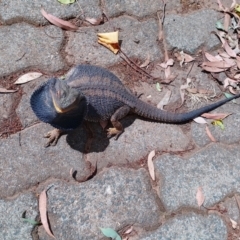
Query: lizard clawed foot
53, 137
113, 132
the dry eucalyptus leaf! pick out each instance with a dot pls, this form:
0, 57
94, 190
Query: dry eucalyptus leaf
216, 116
150, 164
164, 100
200, 120
200, 197
129, 230
210, 134
58, 22
234, 224
219, 64
28, 77
188, 58
229, 51
43, 212
169, 62
213, 69
94, 21
210, 57
4, 90
192, 90
146, 62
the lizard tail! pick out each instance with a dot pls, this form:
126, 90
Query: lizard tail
151, 112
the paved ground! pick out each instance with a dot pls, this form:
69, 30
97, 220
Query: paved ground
121, 193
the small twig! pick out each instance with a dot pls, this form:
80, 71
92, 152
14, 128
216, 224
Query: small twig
130, 61
190, 70
21, 57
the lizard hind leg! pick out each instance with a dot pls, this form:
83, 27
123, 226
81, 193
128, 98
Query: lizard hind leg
117, 126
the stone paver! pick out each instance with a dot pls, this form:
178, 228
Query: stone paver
28, 48
120, 193
228, 135
138, 140
12, 226
25, 162
29, 11
214, 168
115, 198
189, 32
138, 40
190, 227
137, 8
6, 102
24, 110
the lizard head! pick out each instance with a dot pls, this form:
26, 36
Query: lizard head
58, 104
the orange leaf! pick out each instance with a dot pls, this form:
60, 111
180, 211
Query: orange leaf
43, 212
150, 164
58, 22
200, 197
109, 40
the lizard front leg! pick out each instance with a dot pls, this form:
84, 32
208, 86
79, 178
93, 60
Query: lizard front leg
117, 126
53, 137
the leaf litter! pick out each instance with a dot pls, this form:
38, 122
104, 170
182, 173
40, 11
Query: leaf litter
151, 165
28, 77
43, 212
59, 22
200, 197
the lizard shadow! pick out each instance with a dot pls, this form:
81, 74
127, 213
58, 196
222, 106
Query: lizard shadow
91, 137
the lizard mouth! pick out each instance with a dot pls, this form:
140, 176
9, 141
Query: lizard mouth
57, 105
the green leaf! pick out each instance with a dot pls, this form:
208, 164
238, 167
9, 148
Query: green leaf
219, 25
109, 232
228, 95
158, 86
67, 1
33, 222
237, 8
218, 123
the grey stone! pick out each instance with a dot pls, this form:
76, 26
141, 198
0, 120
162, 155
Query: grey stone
25, 162
136, 142
190, 227
24, 46
136, 8
24, 110
228, 135
23, 10
189, 32
114, 198
12, 225
214, 168
6, 102
138, 40
232, 209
